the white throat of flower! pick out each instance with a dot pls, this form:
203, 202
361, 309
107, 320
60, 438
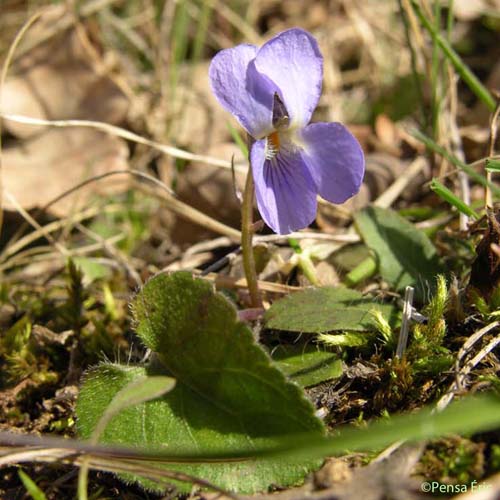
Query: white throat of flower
280, 137
282, 142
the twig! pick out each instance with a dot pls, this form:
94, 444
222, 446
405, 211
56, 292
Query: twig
187, 212
308, 235
34, 223
109, 463
86, 182
166, 194
241, 283
390, 195
461, 373
40, 254
113, 252
456, 147
491, 151
11, 250
124, 134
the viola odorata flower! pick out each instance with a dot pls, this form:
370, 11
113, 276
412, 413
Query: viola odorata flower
273, 91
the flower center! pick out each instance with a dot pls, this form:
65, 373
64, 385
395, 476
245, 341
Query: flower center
272, 145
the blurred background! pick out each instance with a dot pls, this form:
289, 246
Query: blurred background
142, 65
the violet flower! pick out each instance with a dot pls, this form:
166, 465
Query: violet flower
273, 91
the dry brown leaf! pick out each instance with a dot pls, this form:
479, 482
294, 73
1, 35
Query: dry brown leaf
390, 478
61, 78
44, 167
57, 80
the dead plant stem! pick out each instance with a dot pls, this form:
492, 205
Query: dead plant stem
491, 151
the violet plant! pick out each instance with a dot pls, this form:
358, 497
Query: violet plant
273, 92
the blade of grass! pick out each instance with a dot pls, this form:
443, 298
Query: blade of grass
465, 73
436, 74
240, 142
179, 43
201, 32
436, 148
448, 196
471, 415
404, 14
493, 165
468, 416
31, 487
449, 19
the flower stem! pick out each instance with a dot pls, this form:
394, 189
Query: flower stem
246, 241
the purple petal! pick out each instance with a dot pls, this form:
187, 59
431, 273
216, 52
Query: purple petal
335, 160
292, 60
242, 90
285, 191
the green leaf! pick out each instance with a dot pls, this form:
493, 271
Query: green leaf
405, 254
307, 365
326, 309
228, 395
31, 487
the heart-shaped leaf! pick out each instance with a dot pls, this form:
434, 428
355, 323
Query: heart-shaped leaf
405, 254
229, 395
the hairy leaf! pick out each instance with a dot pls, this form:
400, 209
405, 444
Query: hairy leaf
228, 395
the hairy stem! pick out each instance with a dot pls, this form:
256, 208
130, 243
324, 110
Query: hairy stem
246, 241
